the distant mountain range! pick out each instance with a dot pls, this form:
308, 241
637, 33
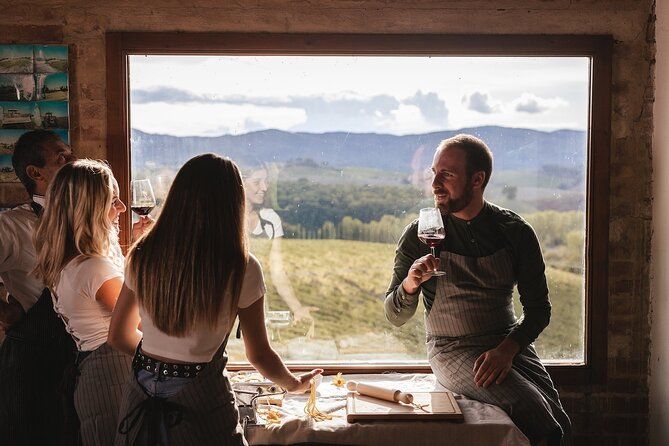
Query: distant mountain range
513, 148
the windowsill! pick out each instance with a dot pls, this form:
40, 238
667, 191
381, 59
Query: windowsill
562, 372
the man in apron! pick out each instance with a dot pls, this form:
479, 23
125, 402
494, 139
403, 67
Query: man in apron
476, 347
36, 349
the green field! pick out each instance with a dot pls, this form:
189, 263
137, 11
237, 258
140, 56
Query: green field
341, 226
346, 281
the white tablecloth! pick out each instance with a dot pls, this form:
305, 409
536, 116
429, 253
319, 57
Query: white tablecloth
483, 425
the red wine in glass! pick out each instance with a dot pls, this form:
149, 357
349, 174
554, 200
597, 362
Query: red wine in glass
143, 199
431, 231
432, 240
142, 210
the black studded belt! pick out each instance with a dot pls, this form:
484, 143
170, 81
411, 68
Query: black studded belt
142, 361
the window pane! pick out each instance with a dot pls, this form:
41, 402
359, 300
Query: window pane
335, 152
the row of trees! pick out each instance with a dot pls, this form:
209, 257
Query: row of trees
561, 234
385, 230
556, 228
310, 205
553, 228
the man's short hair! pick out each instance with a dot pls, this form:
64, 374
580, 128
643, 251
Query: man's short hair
29, 151
477, 154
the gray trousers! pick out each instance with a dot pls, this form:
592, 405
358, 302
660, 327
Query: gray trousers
98, 393
527, 394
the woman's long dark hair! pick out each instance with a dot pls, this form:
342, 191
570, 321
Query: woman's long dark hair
190, 266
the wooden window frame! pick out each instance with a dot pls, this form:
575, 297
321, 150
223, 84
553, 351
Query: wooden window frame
120, 45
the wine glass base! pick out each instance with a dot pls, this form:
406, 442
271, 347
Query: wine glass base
437, 273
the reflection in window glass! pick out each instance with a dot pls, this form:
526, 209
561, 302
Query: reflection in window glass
334, 152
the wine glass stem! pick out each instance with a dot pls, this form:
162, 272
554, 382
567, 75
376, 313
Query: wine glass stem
433, 254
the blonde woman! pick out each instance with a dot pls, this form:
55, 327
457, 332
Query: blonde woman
187, 279
264, 223
79, 258
261, 221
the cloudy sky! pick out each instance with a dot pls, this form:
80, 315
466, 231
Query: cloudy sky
209, 96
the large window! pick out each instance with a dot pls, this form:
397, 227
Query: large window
335, 151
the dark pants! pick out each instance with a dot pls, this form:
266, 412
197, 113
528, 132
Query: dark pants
33, 357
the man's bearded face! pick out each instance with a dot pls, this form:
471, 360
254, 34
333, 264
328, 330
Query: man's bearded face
451, 186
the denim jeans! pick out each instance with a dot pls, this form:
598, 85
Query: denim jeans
161, 387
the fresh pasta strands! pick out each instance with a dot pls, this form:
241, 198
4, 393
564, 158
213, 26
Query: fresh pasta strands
311, 410
271, 416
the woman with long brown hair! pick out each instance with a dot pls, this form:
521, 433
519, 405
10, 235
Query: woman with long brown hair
186, 280
80, 261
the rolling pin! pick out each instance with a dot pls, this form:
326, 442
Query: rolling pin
380, 392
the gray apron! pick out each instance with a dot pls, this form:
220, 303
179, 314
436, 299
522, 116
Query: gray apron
202, 413
473, 312
33, 358
98, 392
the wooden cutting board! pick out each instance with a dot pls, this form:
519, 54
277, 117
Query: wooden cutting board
439, 406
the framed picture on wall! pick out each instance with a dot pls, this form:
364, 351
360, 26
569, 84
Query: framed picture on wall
6, 169
52, 115
19, 115
34, 94
8, 138
50, 58
51, 87
16, 59
17, 87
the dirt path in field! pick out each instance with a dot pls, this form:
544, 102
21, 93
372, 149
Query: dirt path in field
285, 289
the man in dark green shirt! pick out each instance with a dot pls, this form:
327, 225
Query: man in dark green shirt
476, 346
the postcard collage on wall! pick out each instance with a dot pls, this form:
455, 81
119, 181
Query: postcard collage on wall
34, 92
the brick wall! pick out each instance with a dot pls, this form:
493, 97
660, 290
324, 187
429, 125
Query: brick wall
613, 413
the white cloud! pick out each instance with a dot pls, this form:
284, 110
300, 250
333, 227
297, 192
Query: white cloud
431, 106
357, 94
531, 103
342, 111
198, 119
481, 102
405, 119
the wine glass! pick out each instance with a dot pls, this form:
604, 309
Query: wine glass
431, 231
276, 320
143, 199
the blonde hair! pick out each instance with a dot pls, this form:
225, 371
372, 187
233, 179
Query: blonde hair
75, 218
189, 267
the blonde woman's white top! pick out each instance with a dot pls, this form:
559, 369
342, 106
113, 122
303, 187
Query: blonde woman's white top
85, 319
272, 227
201, 344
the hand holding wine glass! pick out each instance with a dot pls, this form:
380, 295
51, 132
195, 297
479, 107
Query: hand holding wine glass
142, 203
431, 231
